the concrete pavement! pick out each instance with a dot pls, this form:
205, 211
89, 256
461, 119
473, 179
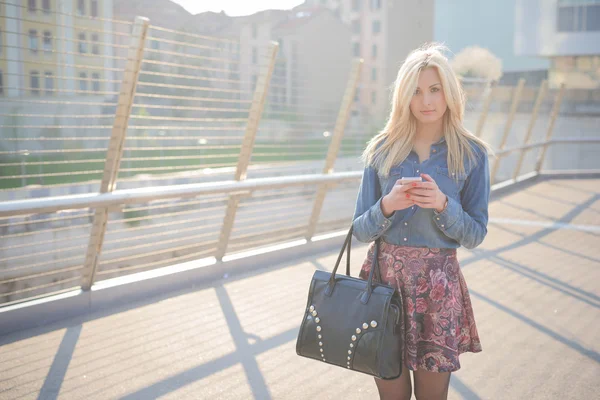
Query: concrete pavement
534, 284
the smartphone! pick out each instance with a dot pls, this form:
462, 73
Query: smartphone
404, 181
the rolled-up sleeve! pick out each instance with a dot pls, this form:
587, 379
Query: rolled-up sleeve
466, 220
369, 223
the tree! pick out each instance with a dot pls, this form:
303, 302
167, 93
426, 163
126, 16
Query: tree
477, 62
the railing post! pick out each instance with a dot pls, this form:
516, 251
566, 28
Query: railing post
554, 115
334, 146
115, 147
536, 109
486, 108
256, 109
513, 109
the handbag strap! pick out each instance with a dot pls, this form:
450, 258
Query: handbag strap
374, 273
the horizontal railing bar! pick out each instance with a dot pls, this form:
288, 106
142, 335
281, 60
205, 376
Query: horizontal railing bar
56, 12
160, 242
191, 87
192, 56
194, 35
77, 278
167, 215
270, 223
149, 253
67, 78
21, 256
63, 102
72, 53
52, 242
550, 142
40, 274
161, 225
190, 77
54, 24
141, 195
178, 204
157, 234
169, 261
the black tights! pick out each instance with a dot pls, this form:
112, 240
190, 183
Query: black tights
428, 386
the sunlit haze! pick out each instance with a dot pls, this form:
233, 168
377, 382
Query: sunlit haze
236, 7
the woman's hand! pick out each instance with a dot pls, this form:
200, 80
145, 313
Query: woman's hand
427, 194
397, 199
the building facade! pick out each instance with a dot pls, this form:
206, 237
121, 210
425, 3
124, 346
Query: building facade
383, 32
565, 32
487, 24
55, 47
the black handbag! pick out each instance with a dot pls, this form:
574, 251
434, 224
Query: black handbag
352, 323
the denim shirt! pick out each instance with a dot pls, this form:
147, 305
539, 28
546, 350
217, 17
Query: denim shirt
462, 223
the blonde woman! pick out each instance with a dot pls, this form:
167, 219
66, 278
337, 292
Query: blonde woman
422, 222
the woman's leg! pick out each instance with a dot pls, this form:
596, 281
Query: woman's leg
431, 385
395, 389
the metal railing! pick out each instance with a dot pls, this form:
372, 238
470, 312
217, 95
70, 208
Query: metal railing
192, 157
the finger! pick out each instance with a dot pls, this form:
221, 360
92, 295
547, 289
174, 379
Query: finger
423, 201
427, 178
401, 187
424, 185
422, 192
424, 205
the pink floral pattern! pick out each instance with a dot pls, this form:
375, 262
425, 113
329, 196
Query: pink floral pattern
439, 324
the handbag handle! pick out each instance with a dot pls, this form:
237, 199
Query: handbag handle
374, 268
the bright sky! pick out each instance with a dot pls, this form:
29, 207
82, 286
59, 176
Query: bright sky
236, 8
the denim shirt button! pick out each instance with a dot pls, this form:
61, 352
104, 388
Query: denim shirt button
406, 224
405, 239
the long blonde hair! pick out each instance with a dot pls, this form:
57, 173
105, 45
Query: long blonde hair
393, 144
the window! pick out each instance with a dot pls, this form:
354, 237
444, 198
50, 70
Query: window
376, 26
46, 6
83, 86
374, 74
1, 40
32, 6
254, 55
82, 45
94, 8
356, 27
355, 5
375, 4
592, 20
374, 51
47, 41
95, 47
254, 31
33, 41
573, 16
155, 45
34, 82
96, 82
1, 84
49, 83
374, 98
356, 49
81, 7
357, 95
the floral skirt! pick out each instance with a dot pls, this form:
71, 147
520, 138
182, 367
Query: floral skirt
439, 324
